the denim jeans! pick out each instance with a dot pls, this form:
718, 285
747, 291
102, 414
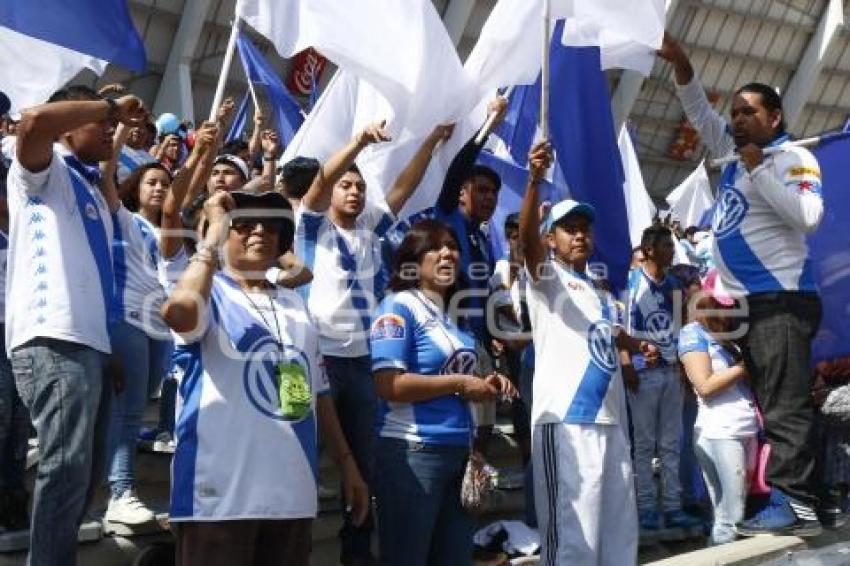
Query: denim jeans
14, 428
65, 388
355, 400
657, 425
724, 465
420, 518
143, 360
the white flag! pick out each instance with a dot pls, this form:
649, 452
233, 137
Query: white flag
34, 69
346, 106
639, 207
691, 199
508, 48
401, 48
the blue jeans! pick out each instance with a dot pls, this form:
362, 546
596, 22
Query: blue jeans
656, 410
724, 465
355, 400
420, 517
143, 360
65, 388
14, 428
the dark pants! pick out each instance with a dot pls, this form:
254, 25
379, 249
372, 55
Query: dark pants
246, 543
777, 351
355, 400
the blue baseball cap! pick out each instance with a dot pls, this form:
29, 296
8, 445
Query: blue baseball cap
564, 209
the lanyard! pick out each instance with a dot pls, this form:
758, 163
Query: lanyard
279, 335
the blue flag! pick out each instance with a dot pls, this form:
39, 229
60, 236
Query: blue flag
285, 108
240, 119
829, 250
100, 28
583, 137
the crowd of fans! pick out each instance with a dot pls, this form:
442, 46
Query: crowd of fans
272, 305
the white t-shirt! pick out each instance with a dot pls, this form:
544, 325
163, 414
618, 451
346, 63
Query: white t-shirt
730, 413
237, 455
136, 258
346, 286
577, 369
60, 283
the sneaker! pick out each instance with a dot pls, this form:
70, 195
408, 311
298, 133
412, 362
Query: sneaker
775, 518
164, 443
128, 510
678, 519
649, 520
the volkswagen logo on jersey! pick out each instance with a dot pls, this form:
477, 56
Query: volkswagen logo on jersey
731, 209
600, 344
461, 362
265, 369
658, 327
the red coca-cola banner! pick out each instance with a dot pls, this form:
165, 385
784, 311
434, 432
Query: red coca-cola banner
305, 65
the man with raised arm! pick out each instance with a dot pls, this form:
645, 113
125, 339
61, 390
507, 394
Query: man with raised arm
766, 205
337, 238
59, 291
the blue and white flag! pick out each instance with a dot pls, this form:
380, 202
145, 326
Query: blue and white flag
45, 43
284, 107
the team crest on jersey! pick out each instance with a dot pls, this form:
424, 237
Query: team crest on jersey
732, 206
91, 211
600, 344
389, 327
462, 361
261, 377
658, 325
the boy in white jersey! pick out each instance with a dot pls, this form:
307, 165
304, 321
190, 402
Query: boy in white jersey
766, 206
583, 476
59, 292
337, 238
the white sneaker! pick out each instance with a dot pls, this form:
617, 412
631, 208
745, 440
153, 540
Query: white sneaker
128, 510
164, 443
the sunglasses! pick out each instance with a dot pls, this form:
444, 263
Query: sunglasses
246, 224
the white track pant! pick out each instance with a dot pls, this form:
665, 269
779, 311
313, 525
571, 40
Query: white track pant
584, 493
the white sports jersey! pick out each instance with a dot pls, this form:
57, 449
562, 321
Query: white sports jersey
131, 159
411, 334
60, 281
135, 257
346, 286
577, 368
650, 311
729, 413
761, 218
4, 252
238, 455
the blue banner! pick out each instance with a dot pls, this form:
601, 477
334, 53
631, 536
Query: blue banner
285, 108
100, 28
829, 250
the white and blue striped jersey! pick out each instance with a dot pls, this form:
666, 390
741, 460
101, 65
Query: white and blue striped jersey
729, 413
347, 276
576, 367
650, 311
139, 293
761, 218
59, 274
130, 160
237, 455
412, 335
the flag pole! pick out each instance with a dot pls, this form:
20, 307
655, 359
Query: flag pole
225, 69
544, 72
